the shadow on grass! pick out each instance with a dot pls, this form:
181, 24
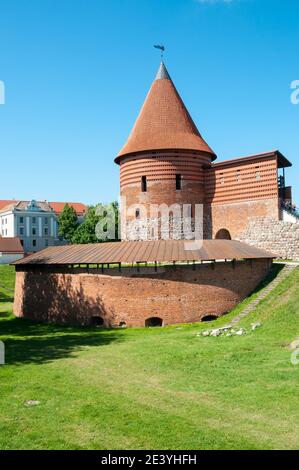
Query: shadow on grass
28, 342
6, 298
273, 273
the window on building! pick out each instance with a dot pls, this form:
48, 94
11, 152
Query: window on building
257, 173
221, 178
143, 184
46, 230
238, 175
22, 242
33, 231
21, 220
178, 182
46, 220
46, 242
34, 220
33, 242
137, 213
21, 231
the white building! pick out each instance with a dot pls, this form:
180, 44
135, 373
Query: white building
34, 223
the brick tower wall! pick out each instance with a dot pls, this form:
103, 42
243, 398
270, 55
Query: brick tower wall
160, 170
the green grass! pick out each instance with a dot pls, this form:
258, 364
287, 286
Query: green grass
162, 388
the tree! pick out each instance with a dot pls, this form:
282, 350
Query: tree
67, 223
96, 219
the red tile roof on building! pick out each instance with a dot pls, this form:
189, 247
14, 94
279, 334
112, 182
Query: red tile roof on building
23, 205
282, 161
6, 202
57, 207
146, 251
10, 245
164, 122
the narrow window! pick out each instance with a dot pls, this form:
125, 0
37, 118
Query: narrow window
238, 175
21, 220
257, 173
178, 182
34, 220
46, 220
143, 184
22, 242
21, 231
33, 231
137, 214
46, 231
33, 242
221, 178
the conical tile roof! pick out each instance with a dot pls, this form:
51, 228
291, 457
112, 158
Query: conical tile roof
164, 123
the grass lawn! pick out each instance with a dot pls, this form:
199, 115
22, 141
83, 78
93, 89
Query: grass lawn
162, 388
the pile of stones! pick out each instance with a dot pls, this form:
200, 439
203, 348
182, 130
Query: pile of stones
228, 330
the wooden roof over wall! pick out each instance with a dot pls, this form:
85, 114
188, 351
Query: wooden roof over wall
161, 251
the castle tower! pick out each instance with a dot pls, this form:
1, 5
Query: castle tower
162, 162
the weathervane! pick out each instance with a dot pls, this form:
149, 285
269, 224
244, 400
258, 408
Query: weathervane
162, 49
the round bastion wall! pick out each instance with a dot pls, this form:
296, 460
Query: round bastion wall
131, 296
152, 182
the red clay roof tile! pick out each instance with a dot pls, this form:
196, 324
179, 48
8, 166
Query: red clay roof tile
10, 245
164, 122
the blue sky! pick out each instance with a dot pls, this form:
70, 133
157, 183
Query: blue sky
76, 73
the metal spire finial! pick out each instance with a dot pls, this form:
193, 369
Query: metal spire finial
162, 49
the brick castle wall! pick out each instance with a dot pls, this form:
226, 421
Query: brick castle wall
176, 294
233, 193
235, 217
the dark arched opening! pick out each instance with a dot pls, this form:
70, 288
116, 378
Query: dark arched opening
223, 234
122, 324
97, 321
209, 318
154, 321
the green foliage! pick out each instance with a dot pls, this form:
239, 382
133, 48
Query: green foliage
95, 224
67, 223
155, 388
